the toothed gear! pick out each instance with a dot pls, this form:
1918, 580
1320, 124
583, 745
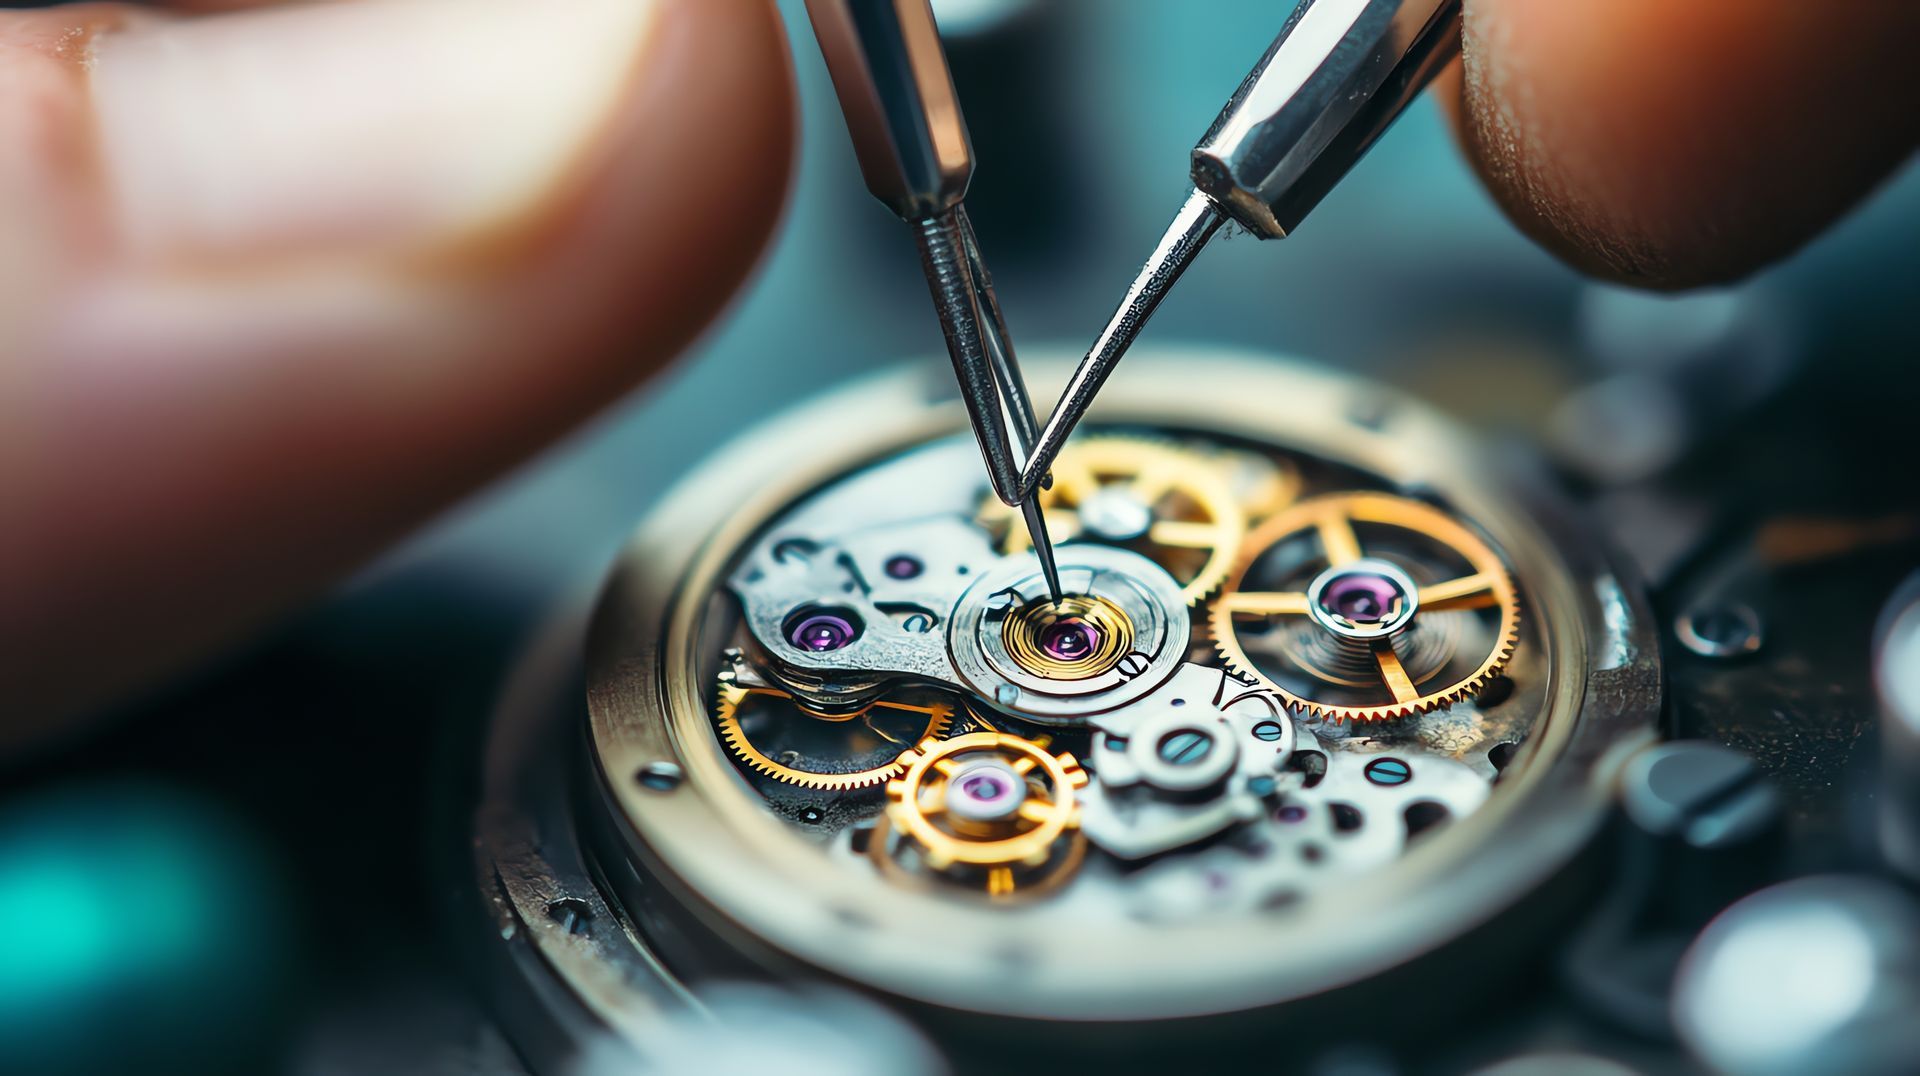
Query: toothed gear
1262, 485
1418, 615
921, 723
1176, 506
988, 808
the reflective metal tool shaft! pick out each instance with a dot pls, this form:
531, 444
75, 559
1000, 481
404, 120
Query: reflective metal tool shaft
890, 73
1329, 86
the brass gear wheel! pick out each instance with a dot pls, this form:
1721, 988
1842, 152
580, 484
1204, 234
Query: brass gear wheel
992, 807
1177, 504
927, 723
1261, 484
1484, 586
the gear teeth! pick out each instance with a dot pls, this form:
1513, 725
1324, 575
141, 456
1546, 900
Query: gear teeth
1195, 474
1411, 515
726, 718
1049, 838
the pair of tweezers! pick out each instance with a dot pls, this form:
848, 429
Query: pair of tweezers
1337, 76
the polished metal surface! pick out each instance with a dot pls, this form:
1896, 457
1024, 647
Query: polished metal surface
1141, 590
840, 550
1335, 79
1192, 226
890, 73
1380, 788
711, 853
1338, 75
1200, 754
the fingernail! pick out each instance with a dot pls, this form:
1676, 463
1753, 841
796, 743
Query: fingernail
355, 128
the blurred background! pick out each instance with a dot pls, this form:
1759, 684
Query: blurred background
249, 869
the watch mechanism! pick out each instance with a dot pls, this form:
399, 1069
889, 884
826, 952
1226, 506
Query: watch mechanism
1247, 645
1302, 674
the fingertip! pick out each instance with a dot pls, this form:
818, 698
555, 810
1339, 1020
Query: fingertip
1673, 145
271, 374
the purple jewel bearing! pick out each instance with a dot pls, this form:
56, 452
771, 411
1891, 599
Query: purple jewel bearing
1366, 599
1069, 639
819, 630
986, 790
1362, 597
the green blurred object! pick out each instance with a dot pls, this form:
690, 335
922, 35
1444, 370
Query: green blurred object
138, 927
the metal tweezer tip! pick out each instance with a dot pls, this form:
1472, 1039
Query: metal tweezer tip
1042, 545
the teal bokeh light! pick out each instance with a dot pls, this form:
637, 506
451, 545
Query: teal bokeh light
137, 925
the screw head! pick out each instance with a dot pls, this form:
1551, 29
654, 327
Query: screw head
571, 914
1185, 747
1388, 772
660, 776
904, 566
1719, 631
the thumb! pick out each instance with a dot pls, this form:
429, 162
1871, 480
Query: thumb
281, 283
1673, 145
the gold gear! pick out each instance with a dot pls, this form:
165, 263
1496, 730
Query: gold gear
938, 716
1261, 484
920, 811
1194, 510
1331, 517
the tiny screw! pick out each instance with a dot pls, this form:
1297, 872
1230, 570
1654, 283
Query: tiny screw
1185, 747
571, 913
660, 776
1369, 412
904, 567
1719, 631
1389, 772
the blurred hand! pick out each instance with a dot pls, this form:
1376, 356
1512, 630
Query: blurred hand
1673, 143
279, 284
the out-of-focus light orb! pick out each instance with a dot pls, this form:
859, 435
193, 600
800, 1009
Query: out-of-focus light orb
758, 1027
1815, 975
137, 925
